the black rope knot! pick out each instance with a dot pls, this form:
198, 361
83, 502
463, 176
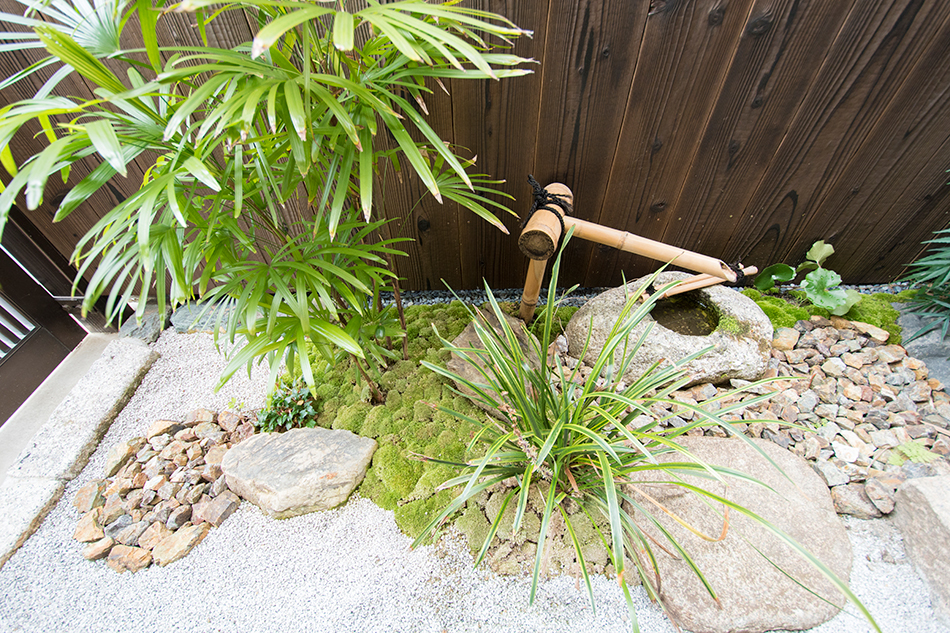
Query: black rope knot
543, 199
737, 269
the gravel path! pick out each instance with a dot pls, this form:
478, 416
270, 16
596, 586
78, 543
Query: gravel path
348, 569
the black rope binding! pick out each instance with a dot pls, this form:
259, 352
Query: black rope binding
737, 269
542, 200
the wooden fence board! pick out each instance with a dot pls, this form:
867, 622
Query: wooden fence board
745, 126
503, 135
761, 93
913, 127
868, 61
686, 52
591, 52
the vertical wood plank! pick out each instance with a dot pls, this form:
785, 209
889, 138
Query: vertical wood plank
876, 48
433, 255
498, 122
770, 72
907, 143
686, 52
590, 56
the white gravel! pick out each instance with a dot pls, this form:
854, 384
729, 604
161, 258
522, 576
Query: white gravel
348, 569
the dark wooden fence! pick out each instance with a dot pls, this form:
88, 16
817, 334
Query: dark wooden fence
742, 129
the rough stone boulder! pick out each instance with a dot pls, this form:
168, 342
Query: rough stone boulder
754, 595
300, 471
923, 516
742, 341
469, 339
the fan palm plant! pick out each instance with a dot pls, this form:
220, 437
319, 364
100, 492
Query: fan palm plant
303, 117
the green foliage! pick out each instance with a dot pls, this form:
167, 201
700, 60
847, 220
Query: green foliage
562, 315
913, 451
785, 311
820, 285
289, 408
262, 162
930, 276
567, 440
776, 273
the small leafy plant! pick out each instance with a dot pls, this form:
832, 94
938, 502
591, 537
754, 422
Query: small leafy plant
290, 408
820, 285
584, 441
930, 275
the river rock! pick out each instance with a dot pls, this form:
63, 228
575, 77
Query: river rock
754, 595
300, 471
124, 558
98, 549
469, 339
741, 344
178, 544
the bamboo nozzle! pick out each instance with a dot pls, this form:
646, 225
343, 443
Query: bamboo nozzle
540, 237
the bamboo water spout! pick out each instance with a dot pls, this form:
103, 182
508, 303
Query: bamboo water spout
542, 233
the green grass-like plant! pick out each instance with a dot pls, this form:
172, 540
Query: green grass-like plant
582, 441
930, 276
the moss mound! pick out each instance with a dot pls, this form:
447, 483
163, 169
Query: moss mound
785, 310
408, 424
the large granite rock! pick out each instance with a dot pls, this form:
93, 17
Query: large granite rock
742, 342
923, 516
300, 471
469, 339
754, 596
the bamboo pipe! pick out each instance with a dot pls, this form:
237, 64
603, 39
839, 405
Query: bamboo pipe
540, 237
532, 289
701, 281
538, 241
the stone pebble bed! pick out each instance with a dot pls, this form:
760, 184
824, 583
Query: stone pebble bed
351, 569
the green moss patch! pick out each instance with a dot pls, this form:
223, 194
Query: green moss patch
407, 425
785, 310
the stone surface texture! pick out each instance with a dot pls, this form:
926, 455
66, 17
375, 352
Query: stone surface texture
741, 343
61, 448
150, 500
754, 595
150, 326
300, 471
923, 514
469, 339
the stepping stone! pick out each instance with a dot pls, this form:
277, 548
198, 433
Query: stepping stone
301, 471
754, 595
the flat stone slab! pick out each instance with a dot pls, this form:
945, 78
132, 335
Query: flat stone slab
300, 471
923, 515
61, 448
754, 595
191, 317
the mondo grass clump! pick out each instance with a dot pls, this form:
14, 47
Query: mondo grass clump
565, 440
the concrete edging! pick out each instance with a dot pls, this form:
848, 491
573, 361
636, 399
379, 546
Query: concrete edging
59, 451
